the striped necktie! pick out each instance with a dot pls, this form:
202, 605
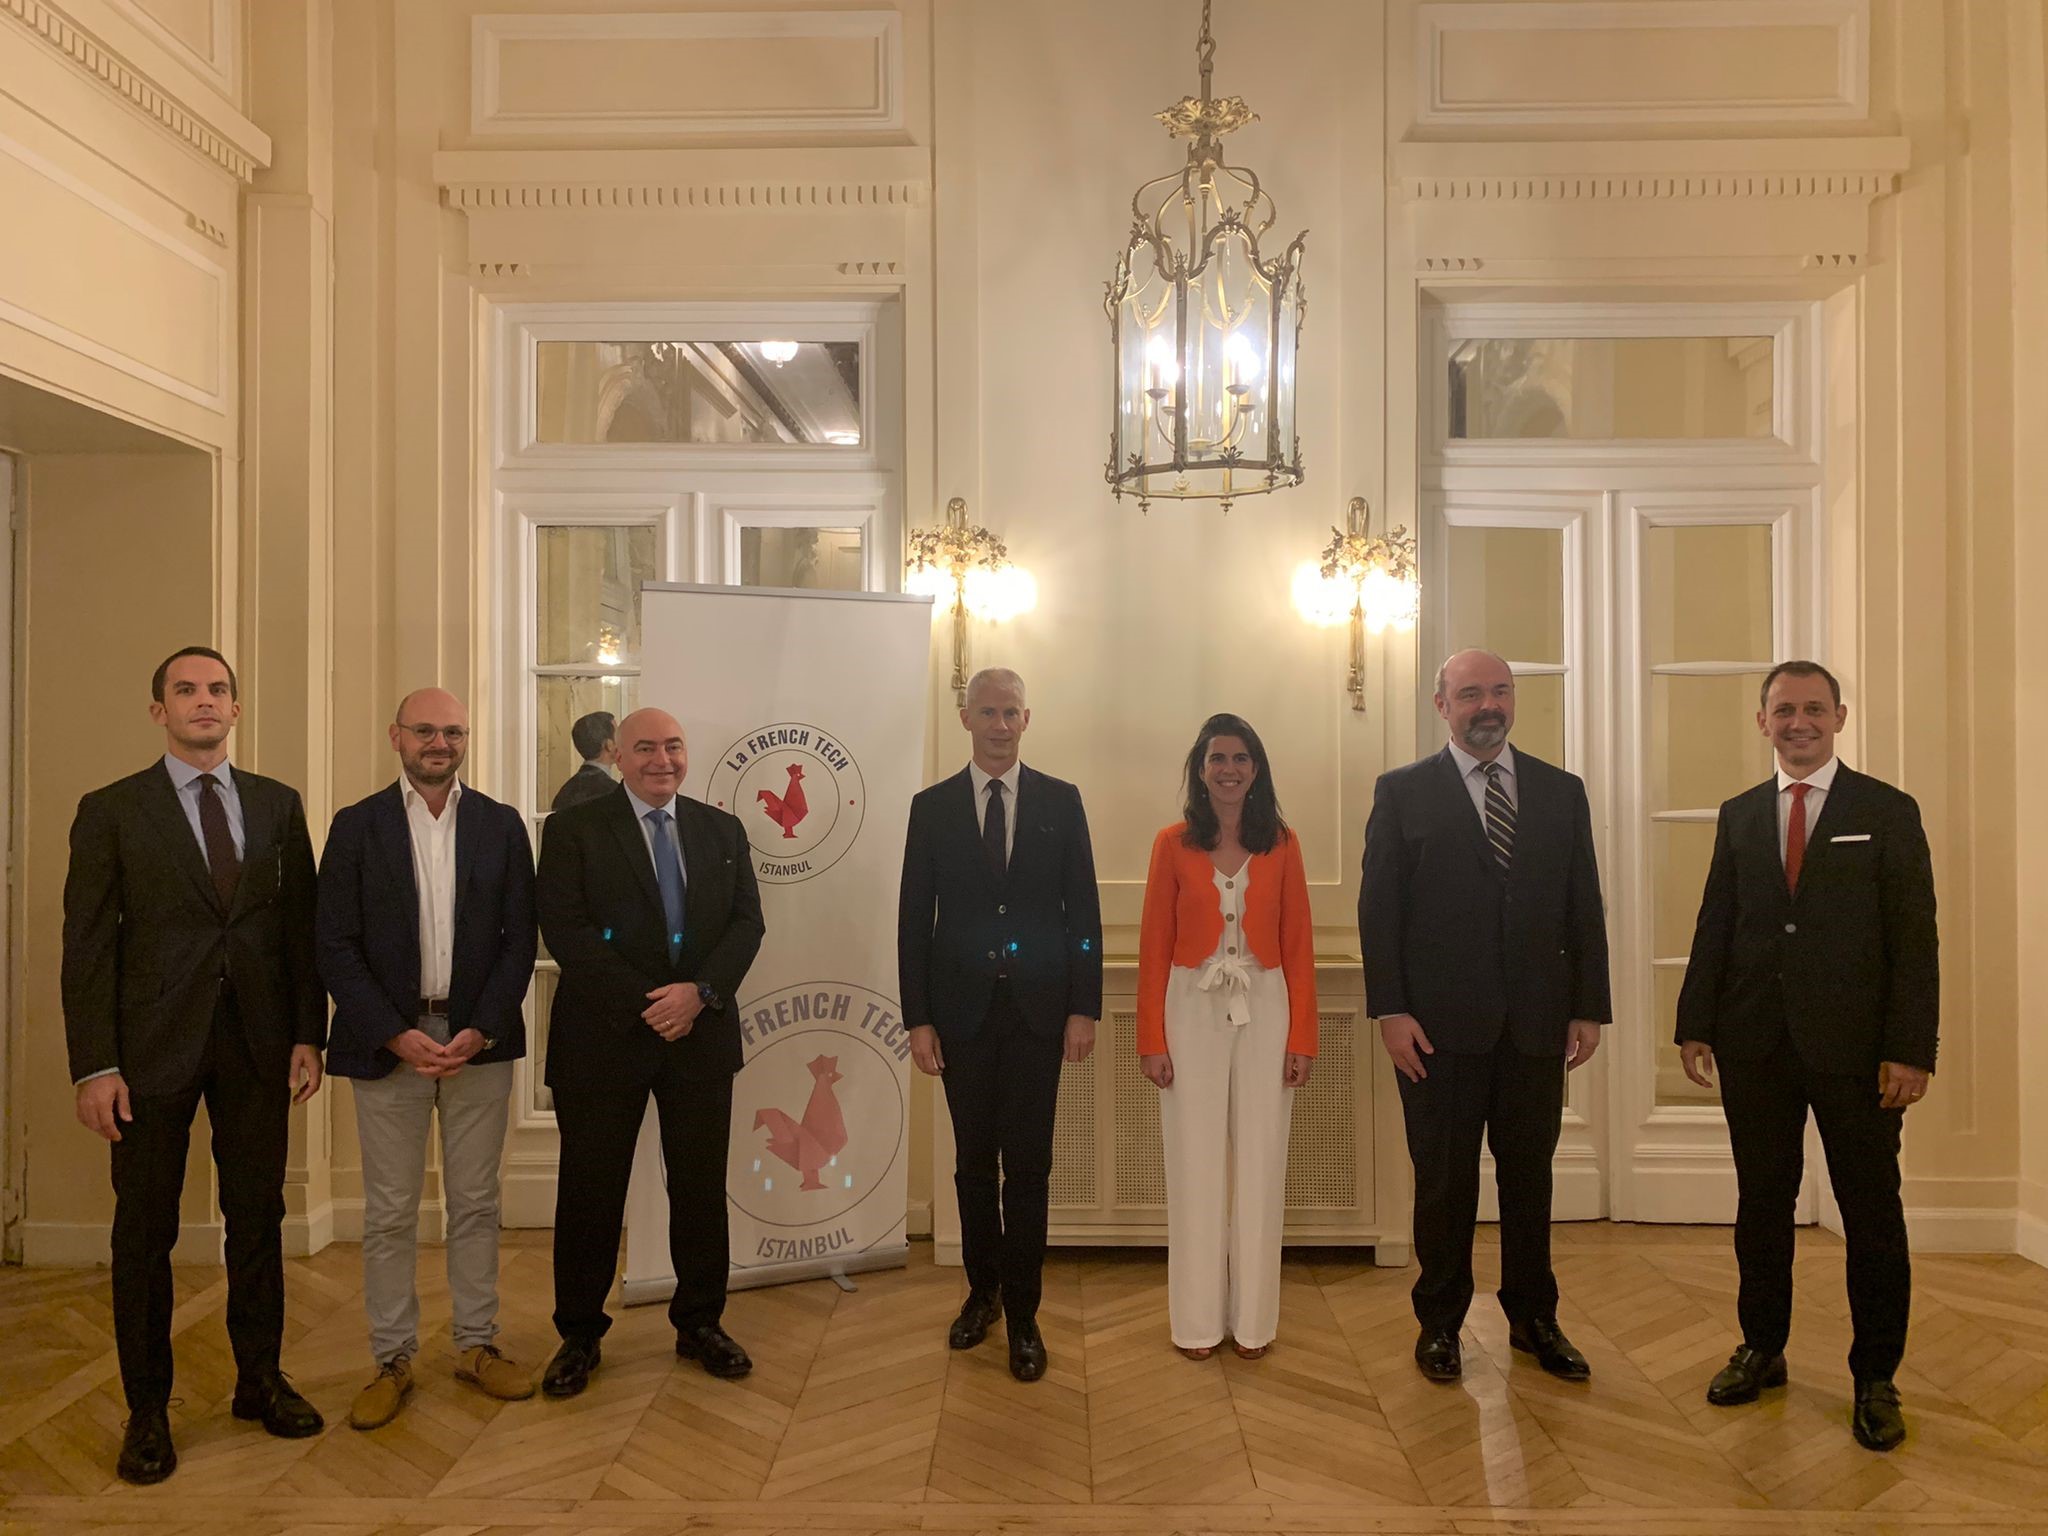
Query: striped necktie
1500, 818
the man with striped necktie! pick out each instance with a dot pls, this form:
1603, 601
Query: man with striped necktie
1485, 945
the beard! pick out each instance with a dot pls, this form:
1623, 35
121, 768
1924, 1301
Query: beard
1486, 731
437, 772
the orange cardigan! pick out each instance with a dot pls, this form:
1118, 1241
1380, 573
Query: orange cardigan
1184, 919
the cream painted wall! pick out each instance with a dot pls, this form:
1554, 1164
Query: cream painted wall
104, 534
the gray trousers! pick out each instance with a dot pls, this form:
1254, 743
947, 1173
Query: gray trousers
393, 1114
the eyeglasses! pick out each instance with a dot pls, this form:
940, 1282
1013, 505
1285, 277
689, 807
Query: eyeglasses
454, 735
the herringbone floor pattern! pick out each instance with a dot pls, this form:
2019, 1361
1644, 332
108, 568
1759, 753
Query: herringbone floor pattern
859, 1419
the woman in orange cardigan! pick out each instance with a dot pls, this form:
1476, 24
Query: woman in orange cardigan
1227, 1030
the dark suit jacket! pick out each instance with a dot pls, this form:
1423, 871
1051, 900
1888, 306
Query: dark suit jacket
957, 925
590, 782
1465, 951
146, 944
600, 913
369, 929
1848, 967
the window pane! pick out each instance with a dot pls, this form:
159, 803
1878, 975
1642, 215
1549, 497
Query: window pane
698, 392
1707, 593
827, 559
561, 702
587, 594
541, 1001
1611, 387
1680, 852
1539, 717
1703, 743
1506, 591
1673, 1086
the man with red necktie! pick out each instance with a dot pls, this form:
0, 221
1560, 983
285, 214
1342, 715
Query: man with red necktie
1814, 984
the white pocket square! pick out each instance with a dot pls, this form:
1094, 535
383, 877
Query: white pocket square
1851, 837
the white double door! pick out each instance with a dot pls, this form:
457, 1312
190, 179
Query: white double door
1640, 619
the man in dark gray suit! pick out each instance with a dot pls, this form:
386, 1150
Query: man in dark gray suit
189, 974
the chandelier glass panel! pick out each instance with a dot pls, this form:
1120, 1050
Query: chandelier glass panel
1204, 327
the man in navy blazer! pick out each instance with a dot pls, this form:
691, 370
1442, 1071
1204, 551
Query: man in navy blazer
1815, 983
1485, 947
999, 955
426, 943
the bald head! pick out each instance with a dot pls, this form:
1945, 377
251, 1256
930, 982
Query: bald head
431, 738
653, 757
1475, 693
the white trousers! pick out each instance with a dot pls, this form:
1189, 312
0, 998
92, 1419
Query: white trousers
1224, 1122
394, 1115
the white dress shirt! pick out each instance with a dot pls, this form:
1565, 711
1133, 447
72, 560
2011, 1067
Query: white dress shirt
1472, 771
433, 874
1817, 784
675, 833
186, 778
1009, 783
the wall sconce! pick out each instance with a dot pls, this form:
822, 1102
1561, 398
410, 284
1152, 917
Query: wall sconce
1369, 580
967, 563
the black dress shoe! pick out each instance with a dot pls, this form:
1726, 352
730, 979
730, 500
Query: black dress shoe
1437, 1353
569, 1372
977, 1314
147, 1455
1877, 1421
715, 1349
1027, 1349
277, 1403
1541, 1337
1746, 1374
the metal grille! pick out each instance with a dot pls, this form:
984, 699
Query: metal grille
1140, 1158
1322, 1144
1073, 1181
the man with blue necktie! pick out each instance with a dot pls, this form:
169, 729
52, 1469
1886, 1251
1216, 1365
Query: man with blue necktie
647, 902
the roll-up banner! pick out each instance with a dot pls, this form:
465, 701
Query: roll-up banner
805, 715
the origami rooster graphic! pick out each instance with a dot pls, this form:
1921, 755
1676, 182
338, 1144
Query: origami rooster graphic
787, 808
809, 1145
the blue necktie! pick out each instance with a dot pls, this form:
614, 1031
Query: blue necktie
668, 874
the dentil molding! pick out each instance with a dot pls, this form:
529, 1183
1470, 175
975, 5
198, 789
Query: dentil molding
655, 180
59, 32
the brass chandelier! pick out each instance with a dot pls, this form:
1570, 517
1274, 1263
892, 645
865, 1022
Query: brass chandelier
1203, 328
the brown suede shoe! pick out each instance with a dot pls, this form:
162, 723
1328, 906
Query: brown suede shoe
378, 1403
492, 1374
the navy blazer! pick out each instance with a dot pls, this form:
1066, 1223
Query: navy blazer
147, 947
958, 923
1464, 950
1850, 966
368, 927
600, 907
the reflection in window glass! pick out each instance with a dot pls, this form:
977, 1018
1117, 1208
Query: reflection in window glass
559, 703
822, 559
587, 590
1597, 387
1505, 588
698, 392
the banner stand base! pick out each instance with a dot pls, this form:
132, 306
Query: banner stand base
638, 1293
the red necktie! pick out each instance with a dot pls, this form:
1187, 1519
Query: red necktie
1795, 838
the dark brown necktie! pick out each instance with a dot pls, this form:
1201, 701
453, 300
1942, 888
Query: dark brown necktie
992, 830
221, 857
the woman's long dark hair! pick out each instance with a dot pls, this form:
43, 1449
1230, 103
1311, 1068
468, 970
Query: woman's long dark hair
1262, 828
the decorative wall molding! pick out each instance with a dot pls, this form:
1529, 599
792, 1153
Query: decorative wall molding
872, 40
501, 269
1603, 186
870, 268
224, 24
1648, 60
116, 74
1450, 263
735, 180
206, 231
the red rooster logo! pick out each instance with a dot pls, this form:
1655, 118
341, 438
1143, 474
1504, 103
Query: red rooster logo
787, 808
808, 1145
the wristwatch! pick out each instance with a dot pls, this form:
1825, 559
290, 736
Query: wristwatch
709, 996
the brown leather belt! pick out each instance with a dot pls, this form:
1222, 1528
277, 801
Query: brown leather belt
436, 1007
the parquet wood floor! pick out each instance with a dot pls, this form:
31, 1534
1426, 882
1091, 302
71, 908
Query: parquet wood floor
859, 1419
